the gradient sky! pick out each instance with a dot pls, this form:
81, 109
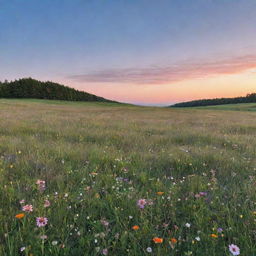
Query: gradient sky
152, 52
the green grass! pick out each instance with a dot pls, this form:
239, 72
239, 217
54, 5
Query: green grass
98, 160
235, 107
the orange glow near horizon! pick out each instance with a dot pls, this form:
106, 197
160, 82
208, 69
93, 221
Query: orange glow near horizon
210, 87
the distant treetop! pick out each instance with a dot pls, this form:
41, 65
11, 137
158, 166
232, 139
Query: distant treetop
249, 98
31, 88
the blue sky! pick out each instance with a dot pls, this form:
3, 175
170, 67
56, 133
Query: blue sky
126, 49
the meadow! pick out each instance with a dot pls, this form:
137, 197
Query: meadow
107, 179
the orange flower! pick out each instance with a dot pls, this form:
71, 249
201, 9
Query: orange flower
214, 236
20, 216
136, 227
160, 193
158, 240
173, 240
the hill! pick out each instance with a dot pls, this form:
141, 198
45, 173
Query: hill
249, 98
31, 88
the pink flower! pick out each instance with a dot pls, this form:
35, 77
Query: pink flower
41, 221
27, 208
105, 251
104, 222
22, 201
41, 185
47, 203
141, 203
234, 249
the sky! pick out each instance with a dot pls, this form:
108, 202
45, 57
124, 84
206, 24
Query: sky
148, 52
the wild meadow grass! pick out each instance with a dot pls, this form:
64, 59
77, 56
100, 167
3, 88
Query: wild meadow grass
106, 179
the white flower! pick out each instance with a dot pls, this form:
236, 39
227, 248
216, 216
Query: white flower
198, 238
234, 249
22, 248
149, 249
54, 242
188, 225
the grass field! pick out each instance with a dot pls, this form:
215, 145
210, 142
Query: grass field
123, 180
235, 107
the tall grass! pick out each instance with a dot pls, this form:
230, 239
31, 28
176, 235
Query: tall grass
98, 160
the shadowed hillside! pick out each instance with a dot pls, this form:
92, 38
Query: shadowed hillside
31, 88
250, 98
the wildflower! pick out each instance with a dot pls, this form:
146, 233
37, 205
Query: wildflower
44, 237
203, 193
188, 225
27, 208
219, 230
149, 249
22, 201
157, 240
20, 216
135, 227
141, 203
47, 203
41, 221
104, 222
54, 242
214, 236
173, 240
198, 238
234, 249
160, 193
22, 248
41, 185
105, 251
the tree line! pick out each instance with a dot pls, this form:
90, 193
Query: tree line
249, 98
31, 88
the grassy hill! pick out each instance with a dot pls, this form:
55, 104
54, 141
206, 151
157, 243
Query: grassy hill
31, 88
232, 107
249, 98
87, 166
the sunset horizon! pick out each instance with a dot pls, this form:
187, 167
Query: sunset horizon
144, 53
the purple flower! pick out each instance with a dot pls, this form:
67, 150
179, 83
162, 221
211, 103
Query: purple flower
105, 251
41, 221
219, 230
141, 203
203, 193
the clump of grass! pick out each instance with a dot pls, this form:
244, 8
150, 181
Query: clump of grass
124, 180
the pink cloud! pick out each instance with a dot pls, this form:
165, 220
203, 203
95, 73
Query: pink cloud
169, 74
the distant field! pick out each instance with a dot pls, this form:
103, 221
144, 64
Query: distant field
126, 180
236, 107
